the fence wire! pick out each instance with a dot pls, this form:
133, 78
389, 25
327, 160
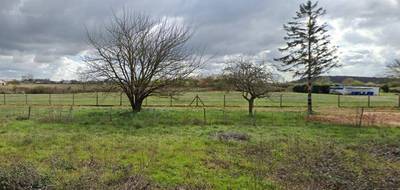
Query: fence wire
208, 99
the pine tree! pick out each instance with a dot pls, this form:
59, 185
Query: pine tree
308, 52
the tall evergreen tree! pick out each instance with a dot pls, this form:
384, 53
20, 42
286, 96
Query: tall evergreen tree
394, 69
308, 52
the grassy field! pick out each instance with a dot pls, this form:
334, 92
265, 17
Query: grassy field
210, 99
111, 148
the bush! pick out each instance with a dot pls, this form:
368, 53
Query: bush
21, 176
320, 89
385, 88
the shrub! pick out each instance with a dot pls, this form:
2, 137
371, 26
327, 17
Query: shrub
21, 176
321, 89
385, 88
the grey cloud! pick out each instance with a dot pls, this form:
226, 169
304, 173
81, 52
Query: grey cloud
45, 31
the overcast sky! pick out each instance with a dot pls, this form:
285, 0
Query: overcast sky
47, 38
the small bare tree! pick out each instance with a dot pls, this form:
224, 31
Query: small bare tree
394, 69
253, 80
141, 55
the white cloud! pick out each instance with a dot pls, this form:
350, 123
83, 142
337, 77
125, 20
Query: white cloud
67, 70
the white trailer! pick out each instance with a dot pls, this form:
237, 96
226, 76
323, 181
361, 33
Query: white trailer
354, 90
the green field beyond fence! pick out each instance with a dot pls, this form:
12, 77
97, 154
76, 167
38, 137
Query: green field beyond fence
206, 99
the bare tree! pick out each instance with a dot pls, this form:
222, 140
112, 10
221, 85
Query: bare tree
141, 55
309, 53
394, 69
251, 79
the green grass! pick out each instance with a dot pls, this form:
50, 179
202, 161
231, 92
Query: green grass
95, 147
212, 99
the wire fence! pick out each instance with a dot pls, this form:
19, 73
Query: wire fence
357, 117
189, 116
201, 99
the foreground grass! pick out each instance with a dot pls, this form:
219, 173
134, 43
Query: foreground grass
168, 149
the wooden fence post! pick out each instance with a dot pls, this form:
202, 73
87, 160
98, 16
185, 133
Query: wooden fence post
280, 100
224, 115
49, 99
224, 100
73, 98
26, 99
110, 114
361, 117
369, 101
120, 99
97, 99
338, 102
29, 112
204, 116
170, 100
197, 100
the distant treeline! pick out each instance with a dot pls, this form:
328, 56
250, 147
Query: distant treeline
210, 83
55, 88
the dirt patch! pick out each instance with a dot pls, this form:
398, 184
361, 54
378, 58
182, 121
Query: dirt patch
368, 118
232, 136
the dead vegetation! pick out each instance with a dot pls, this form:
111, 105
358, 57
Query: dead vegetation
360, 117
232, 136
301, 164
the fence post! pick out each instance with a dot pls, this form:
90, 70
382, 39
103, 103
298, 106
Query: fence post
170, 100
73, 98
224, 115
97, 99
204, 116
146, 101
120, 99
26, 99
29, 112
280, 100
361, 117
197, 100
4, 98
369, 101
224, 100
49, 99
338, 102
110, 114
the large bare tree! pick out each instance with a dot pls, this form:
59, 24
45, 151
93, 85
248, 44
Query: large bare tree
141, 54
253, 80
308, 52
394, 69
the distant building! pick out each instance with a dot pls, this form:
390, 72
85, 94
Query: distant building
3, 83
354, 90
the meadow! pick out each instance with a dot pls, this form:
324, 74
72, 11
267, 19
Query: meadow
60, 146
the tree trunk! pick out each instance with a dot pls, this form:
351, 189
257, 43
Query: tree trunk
309, 97
138, 105
251, 106
132, 102
309, 76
